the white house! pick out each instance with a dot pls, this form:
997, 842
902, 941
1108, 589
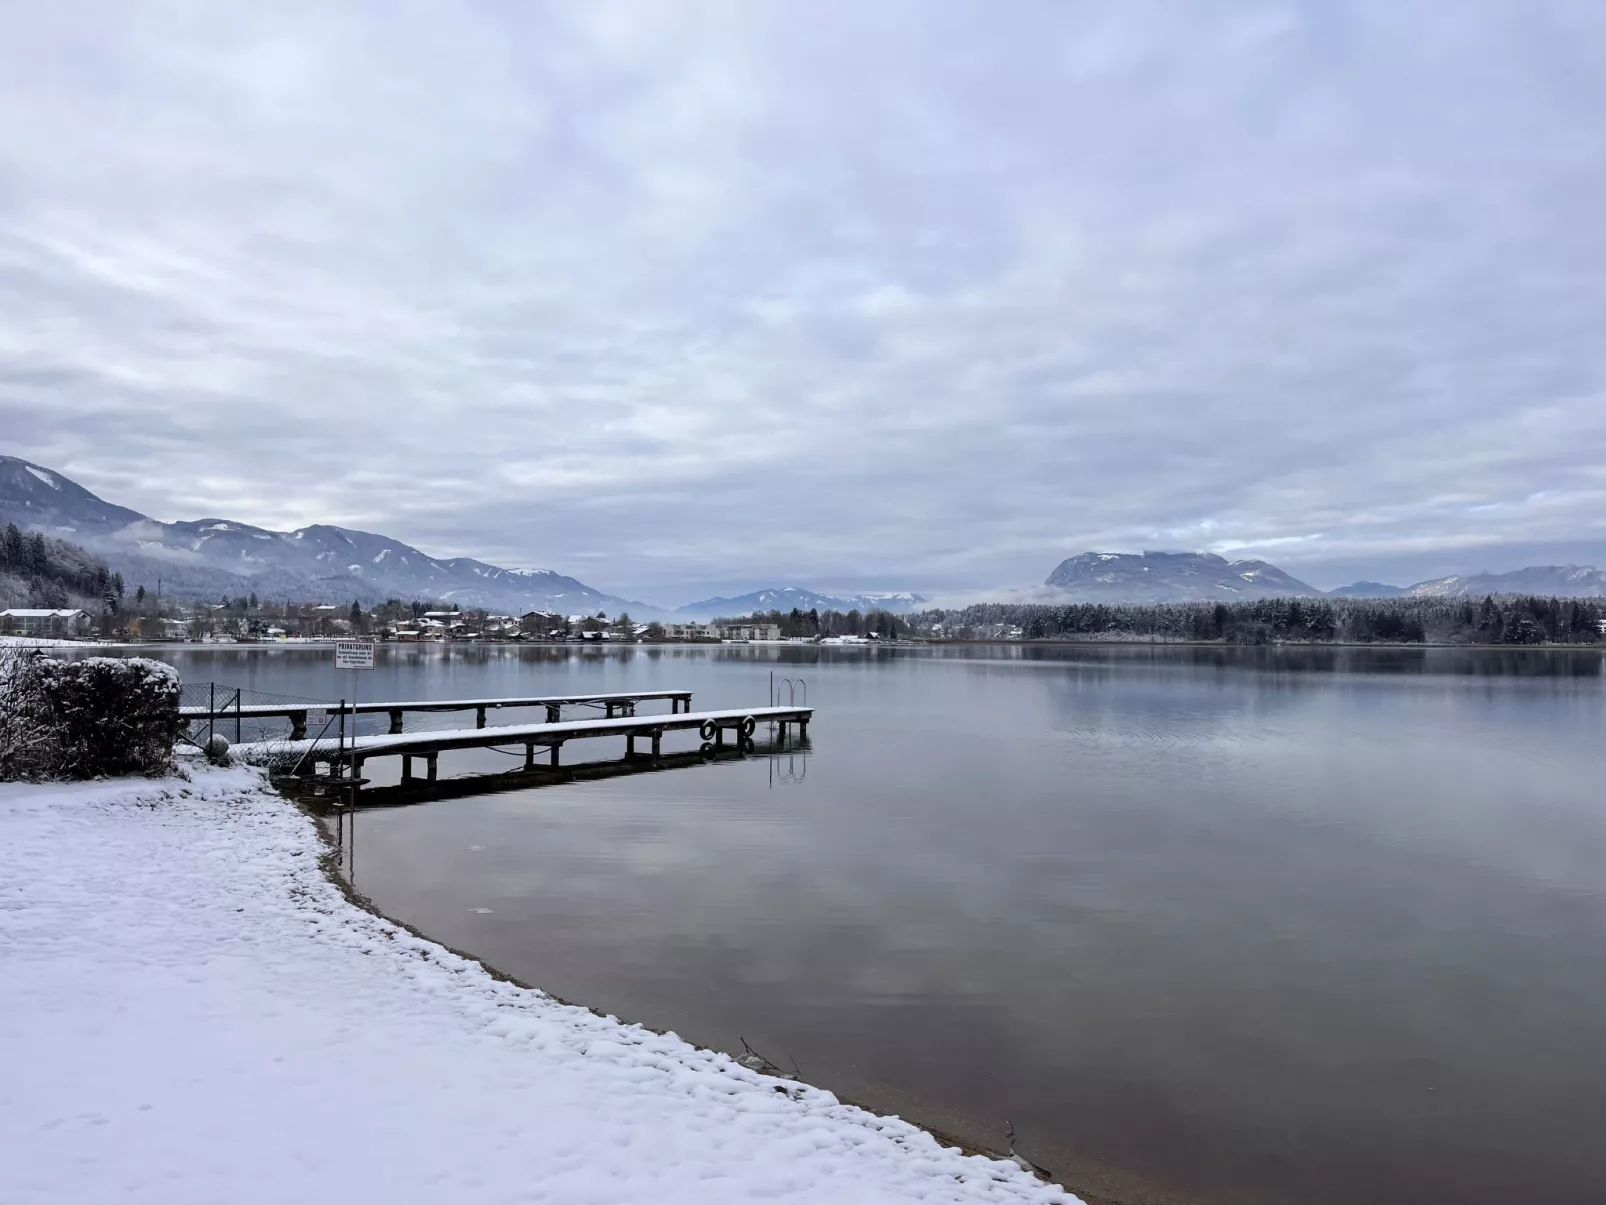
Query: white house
749, 631
45, 621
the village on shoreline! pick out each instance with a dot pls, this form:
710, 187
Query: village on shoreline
1509, 620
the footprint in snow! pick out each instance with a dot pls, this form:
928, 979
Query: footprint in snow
481, 911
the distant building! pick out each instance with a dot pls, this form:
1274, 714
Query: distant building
45, 621
688, 631
749, 631
542, 624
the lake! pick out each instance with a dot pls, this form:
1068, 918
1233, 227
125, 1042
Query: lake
1207, 925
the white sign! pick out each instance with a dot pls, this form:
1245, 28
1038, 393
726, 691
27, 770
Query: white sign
354, 654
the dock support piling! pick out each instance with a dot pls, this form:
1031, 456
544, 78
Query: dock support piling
555, 755
479, 717
529, 755
657, 744
430, 760
407, 768
630, 744
395, 723
553, 713
298, 725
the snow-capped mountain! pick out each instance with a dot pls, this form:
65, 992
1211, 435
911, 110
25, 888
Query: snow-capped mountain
787, 598
1558, 581
1170, 577
37, 499
209, 557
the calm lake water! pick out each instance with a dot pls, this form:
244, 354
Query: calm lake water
1209, 926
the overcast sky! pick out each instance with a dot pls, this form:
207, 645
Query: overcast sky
679, 297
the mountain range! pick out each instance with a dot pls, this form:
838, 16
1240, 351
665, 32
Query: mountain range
787, 598
1555, 581
1159, 577
213, 557
207, 558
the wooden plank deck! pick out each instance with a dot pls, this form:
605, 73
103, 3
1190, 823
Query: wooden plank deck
620, 702
712, 726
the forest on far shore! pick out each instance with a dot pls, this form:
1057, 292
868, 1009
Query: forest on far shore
1506, 620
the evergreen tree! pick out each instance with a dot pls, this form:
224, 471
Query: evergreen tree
11, 549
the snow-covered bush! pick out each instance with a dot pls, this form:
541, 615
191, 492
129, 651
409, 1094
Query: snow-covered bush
81, 719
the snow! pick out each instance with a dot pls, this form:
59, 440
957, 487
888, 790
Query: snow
190, 1012
43, 476
32, 642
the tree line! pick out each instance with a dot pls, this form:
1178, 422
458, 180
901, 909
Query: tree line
1509, 620
38, 571
815, 623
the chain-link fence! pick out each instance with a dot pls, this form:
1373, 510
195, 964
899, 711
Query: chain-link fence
265, 728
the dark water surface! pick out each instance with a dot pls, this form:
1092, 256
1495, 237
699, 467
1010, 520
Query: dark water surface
1209, 926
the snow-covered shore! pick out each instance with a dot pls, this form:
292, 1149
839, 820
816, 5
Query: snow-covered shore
190, 1011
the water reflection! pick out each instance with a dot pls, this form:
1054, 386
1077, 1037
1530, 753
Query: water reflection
787, 758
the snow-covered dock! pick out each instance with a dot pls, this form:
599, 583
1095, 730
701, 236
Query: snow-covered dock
192, 1012
351, 753
616, 702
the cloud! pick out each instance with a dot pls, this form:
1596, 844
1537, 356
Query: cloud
882, 296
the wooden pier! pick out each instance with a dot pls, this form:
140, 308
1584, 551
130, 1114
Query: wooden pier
617, 703
347, 758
